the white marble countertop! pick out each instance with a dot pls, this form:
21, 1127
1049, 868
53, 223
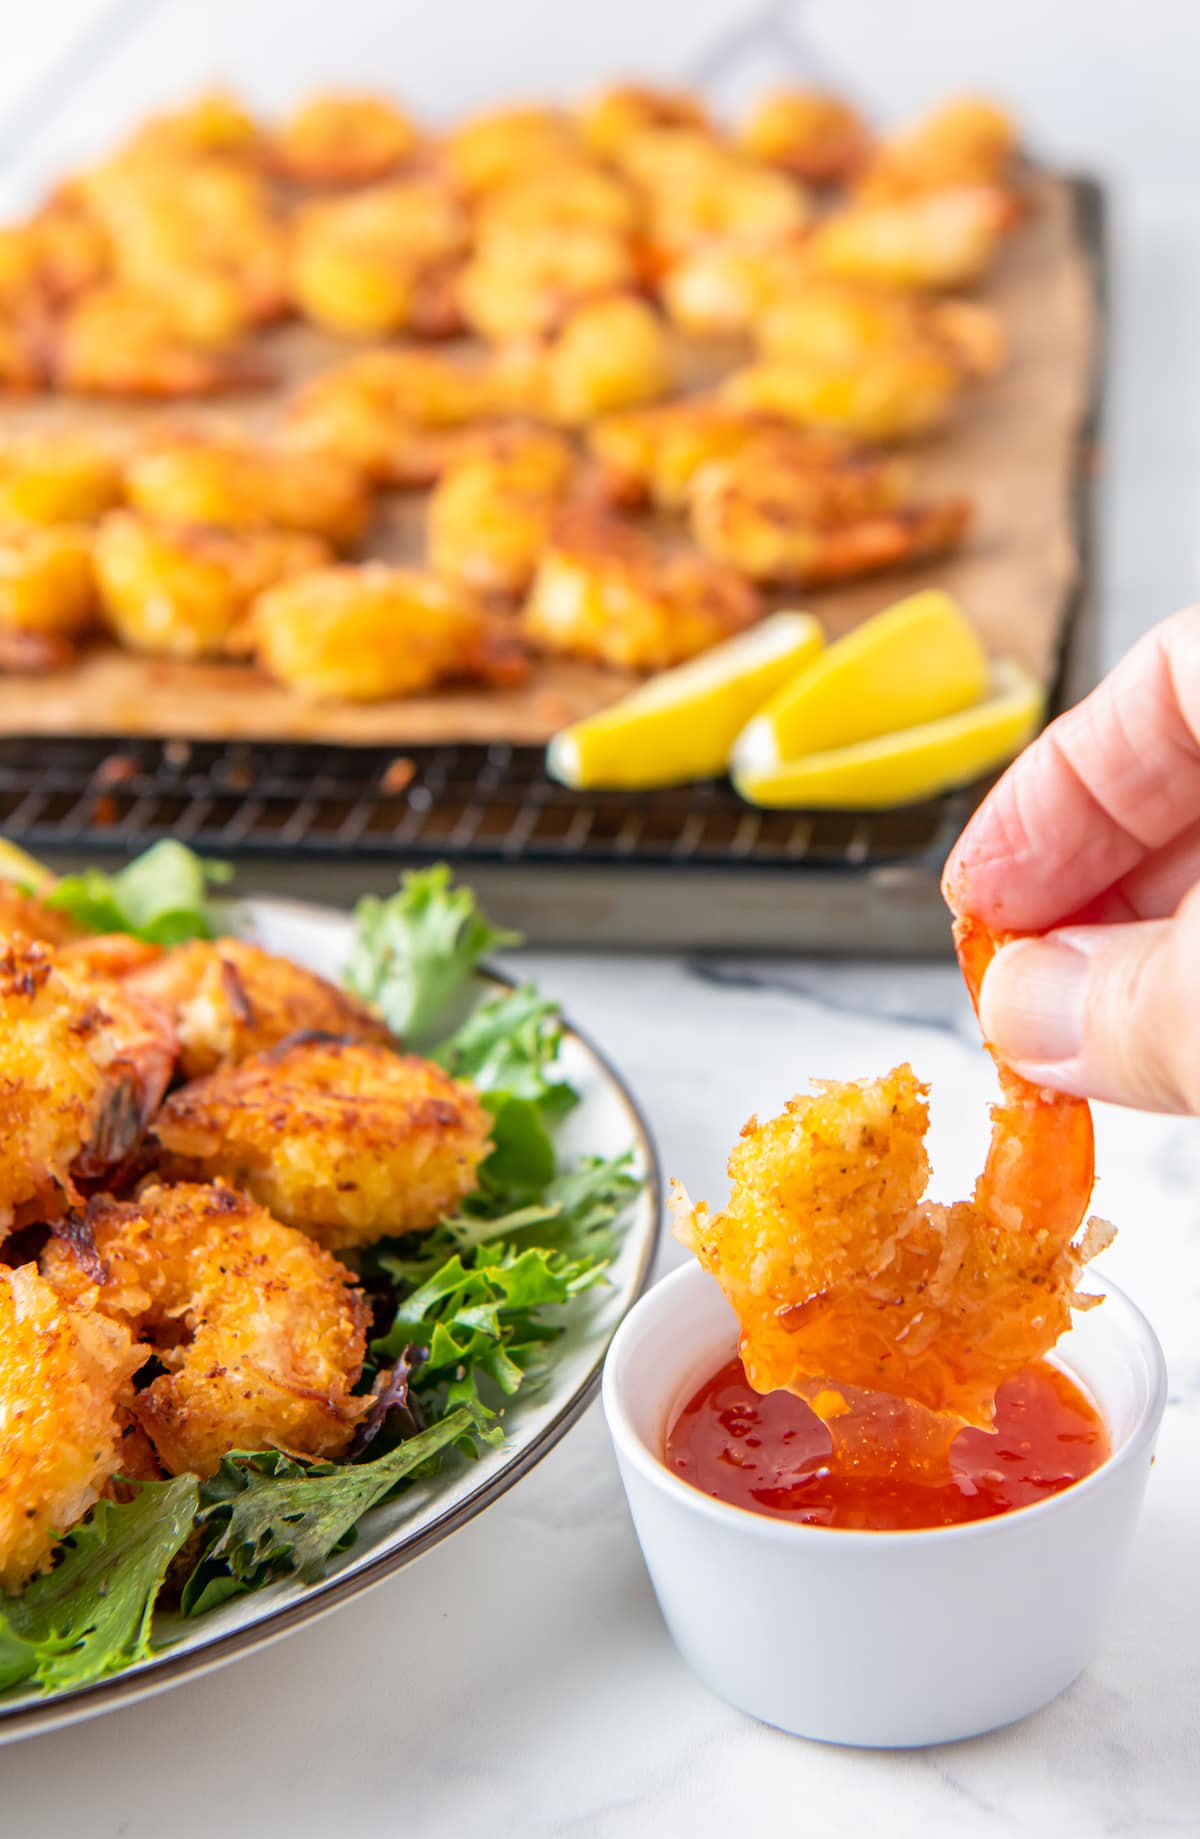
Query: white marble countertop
518, 1679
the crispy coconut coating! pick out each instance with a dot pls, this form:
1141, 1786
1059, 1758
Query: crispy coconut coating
83, 1066
346, 1140
261, 1332
230, 999
236, 485
63, 1371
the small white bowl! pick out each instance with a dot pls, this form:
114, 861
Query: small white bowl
879, 1639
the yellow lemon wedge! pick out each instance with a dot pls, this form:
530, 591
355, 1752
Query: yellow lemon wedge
682, 724
917, 762
16, 865
918, 660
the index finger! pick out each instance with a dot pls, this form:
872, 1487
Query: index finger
1109, 783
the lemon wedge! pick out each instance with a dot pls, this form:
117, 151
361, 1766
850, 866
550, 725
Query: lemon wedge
917, 762
682, 724
918, 660
16, 866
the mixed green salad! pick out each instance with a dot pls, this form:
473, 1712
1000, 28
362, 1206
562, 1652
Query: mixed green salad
466, 1315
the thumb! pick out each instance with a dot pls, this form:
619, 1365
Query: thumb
1103, 1011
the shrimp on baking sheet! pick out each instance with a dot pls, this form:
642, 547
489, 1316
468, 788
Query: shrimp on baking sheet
722, 287
59, 477
393, 414
524, 283
609, 117
236, 484
491, 513
359, 263
841, 322
122, 340
347, 1140
607, 355
503, 146
65, 1372
47, 596
655, 455
83, 1066
927, 243
261, 1332
892, 395
344, 138
847, 1284
817, 136
969, 141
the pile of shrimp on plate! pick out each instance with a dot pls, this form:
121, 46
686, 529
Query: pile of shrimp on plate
891, 1315
653, 365
191, 1136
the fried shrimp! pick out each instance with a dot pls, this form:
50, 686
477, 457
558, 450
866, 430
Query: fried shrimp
935, 242
969, 141
346, 1140
344, 139
606, 591
504, 146
121, 340
388, 413
184, 592
64, 477
720, 194
846, 1282
838, 323
773, 514
523, 284
891, 395
655, 455
27, 915
234, 484
373, 632
358, 263
83, 1066
609, 355
262, 1333
64, 1371
812, 134
723, 286
491, 513
608, 118
47, 594
571, 192
229, 999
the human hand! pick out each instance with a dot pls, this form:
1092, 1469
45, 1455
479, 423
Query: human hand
1092, 839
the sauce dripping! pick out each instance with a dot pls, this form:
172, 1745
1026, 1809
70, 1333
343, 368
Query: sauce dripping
770, 1454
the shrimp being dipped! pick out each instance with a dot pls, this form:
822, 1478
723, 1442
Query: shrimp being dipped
344, 139
848, 1285
346, 1140
262, 1333
606, 591
65, 1372
234, 484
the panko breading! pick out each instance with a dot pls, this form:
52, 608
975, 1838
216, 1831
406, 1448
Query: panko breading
346, 1140
83, 1066
358, 262
47, 595
524, 284
122, 340
64, 1371
346, 138
180, 592
656, 455
229, 999
811, 133
837, 322
64, 477
605, 590
945, 240
506, 145
236, 485
609, 355
373, 632
843, 1277
261, 1332
891, 395
491, 513
728, 197
389, 413
722, 287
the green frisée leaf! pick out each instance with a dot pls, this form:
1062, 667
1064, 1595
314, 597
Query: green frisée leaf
91, 1615
413, 953
162, 896
268, 1516
510, 1045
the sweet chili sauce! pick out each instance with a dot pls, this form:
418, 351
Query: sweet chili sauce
772, 1455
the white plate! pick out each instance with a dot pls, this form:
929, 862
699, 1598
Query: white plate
605, 1122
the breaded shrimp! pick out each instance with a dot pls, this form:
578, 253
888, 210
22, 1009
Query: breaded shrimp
215, 121
723, 286
570, 192
943, 240
609, 117
235, 484
348, 1141
724, 196
358, 262
229, 999
63, 477
370, 633
74, 251
179, 591
846, 1282
523, 284
492, 511
610, 354
347, 138
64, 1371
606, 591
891, 395
261, 1332
969, 141
775, 516
25, 914
504, 146
817, 136
47, 586
387, 413
838, 323
655, 455
121, 340
83, 1066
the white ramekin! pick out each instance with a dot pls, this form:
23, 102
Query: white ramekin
879, 1638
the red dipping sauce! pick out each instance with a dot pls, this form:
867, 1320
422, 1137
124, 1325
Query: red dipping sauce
772, 1455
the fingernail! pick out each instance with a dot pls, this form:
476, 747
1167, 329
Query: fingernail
1032, 1004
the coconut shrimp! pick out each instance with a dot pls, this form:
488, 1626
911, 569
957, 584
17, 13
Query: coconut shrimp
656, 455
214, 122
122, 340
608, 355
228, 999
491, 512
47, 585
837, 323
523, 284
63, 477
233, 484
359, 262
775, 516
83, 1066
572, 192
261, 1332
892, 395
504, 146
391, 414
818, 137
970, 141
609, 118
720, 194
346, 1140
846, 1282
64, 1374
182, 591
348, 138
606, 591
722, 287
927, 243
371, 633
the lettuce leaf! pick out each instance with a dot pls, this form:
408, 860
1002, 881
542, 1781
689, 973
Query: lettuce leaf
414, 952
161, 896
